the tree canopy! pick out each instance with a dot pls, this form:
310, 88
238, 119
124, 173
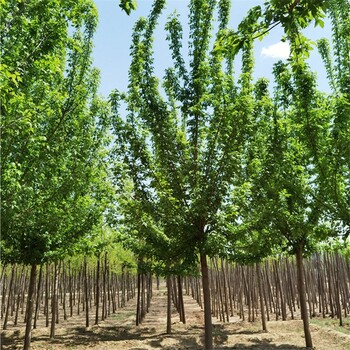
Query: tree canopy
53, 129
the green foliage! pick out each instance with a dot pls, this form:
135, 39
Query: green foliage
293, 189
128, 5
180, 143
53, 129
219, 166
334, 166
284, 199
292, 16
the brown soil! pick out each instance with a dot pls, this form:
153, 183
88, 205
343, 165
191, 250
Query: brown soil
119, 332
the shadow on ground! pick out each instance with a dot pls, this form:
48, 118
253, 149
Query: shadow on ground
185, 339
261, 345
221, 336
12, 341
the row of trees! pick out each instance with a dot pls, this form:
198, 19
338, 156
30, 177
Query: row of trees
203, 164
89, 290
95, 287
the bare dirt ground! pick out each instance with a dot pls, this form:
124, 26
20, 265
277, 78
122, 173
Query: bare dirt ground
119, 332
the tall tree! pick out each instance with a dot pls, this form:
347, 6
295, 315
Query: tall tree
181, 144
53, 131
333, 159
283, 200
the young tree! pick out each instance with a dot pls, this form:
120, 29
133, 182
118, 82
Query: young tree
181, 143
281, 198
180, 146
281, 195
53, 131
333, 159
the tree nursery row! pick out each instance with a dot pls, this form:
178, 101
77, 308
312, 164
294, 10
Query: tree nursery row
98, 289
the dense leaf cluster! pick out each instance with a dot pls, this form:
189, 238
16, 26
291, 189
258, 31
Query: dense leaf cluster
53, 129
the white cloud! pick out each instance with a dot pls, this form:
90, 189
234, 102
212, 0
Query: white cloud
279, 50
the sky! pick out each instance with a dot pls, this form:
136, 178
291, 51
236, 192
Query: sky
113, 39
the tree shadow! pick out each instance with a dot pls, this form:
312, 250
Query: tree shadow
262, 344
221, 336
182, 342
184, 339
11, 341
82, 336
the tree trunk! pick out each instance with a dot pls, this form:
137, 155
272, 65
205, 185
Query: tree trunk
30, 307
97, 298
13, 273
262, 308
337, 288
4, 291
181, 300
123, 284
19, 294
138, 303
38, 291
224, 280
86, 291
47, 292
208, 329
169, 287
70, 287
54, 301
302, 296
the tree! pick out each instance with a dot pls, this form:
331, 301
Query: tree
281, 196
332, 159
53, 132
180, 148
282, 199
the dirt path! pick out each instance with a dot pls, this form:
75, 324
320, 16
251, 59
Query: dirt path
119, 332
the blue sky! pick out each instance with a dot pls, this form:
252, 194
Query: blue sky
113, 40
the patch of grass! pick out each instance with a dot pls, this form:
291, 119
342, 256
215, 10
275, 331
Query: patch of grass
333, 323
123, 315
219, 334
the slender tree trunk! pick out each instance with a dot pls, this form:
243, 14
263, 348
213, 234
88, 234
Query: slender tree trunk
149, 291
54, 301
30, 308
122, 303
47, 292
38, 291
64, 290
104, 295
169, 287
181, 301
70, 287
262, 308
13, 273
143, 297
4, 291
207, 306
224, 280
337, 288
97, 298
302, 296
87, 324
138, 304
19, 294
